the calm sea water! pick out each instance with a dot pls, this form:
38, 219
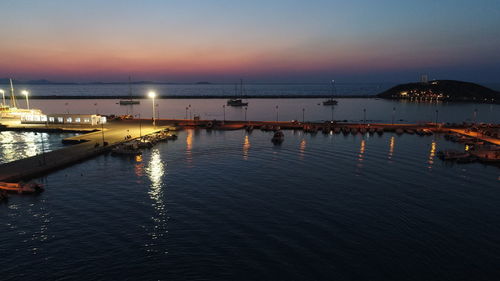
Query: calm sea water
227, 205
211, 89
206, 89
350, 109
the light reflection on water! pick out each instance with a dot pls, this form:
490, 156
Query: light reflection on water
18, 145
432, 154
302, 148
230, 213
156, 172
246, 147
392, 143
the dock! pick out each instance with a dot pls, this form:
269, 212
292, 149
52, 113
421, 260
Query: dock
97, 140
84, 146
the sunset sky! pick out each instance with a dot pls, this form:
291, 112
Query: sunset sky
261, 41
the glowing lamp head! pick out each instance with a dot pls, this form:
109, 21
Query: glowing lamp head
2, 91
152, 94
24, 92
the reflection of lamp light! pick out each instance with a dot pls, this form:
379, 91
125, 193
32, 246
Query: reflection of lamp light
153, 95
3, 96
26, 93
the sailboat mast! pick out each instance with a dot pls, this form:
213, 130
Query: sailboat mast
12, 96
241, 87
130, 87
333, 88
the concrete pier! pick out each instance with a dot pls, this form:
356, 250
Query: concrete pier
90, 143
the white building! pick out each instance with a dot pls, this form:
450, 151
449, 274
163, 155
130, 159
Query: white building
73, 119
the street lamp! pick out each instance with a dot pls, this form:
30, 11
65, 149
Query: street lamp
364, 115
277, 113
26, 93
152, 95
303, 115
224, 112
140, 125
246, 113
3, 96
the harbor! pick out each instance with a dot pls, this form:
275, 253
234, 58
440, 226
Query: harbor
96, 140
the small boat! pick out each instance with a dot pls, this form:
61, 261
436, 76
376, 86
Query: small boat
410, 131
237, 101
371, 131
491, 156
129, 101
21, 188
362, 131
126, 149
249, 128
337, 130
278, 137
380, 131
399, 131
3, 196
354, 131
331, 101
454, 155
428, 132
145, 144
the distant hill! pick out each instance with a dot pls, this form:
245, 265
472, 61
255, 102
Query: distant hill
33, 82
450, 90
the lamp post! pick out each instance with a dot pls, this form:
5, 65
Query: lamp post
26, 93
152, 95
364, 115
187, 112
303, 115
3, 96
246, 108
102, 131
277, 113
140, 125
224, 112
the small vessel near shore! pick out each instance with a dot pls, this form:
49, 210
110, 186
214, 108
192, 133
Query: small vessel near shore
130, 149
3, 196
21, 188
278, 137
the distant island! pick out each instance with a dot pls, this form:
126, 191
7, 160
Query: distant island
443, 90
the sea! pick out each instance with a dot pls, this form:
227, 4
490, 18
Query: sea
231, 205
